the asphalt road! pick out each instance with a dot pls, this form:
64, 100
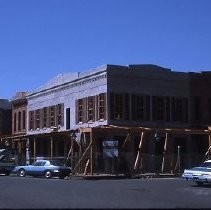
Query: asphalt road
36, 193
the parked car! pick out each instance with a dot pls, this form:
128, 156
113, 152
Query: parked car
200, 174
45, 168
7, 161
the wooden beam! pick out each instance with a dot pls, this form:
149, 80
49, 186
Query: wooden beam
209, 146
164, 153
126, 140
51, 145
187, 131
87, 164
34, 139
139, 151
85, 130
177, 165
84, 154
207, 154
91, 153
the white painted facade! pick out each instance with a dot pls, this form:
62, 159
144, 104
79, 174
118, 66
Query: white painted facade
67, 89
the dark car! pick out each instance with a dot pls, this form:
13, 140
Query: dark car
7, 161
45, 168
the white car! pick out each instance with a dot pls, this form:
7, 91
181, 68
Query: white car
200, 174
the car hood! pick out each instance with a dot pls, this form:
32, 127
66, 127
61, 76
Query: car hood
194, 169
64, 167
23, 166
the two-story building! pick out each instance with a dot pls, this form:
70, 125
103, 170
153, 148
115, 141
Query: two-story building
144, 117
5, 117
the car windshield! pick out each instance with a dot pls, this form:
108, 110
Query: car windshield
56, 163
206, 164
39, 163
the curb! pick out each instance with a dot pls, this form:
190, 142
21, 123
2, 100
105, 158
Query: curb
116, 177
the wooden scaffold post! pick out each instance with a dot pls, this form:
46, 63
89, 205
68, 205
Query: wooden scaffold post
34, 145
91, 152
139, 154
207, 154
209, 146
165, 153
51, 146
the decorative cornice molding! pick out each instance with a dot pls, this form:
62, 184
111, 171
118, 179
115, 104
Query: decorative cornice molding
66, 86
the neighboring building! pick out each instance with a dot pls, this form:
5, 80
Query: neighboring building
19, 111
107, 110
19, 114
5, 120
5, 117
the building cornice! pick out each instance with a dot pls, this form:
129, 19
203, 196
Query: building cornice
67, 85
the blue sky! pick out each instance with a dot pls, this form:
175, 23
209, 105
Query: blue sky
42, 38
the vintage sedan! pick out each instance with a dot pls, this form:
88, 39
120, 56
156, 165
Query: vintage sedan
45, 168
200, 174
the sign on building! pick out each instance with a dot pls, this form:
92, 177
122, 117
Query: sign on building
110, 149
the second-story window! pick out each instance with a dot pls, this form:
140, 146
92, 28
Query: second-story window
14, 122
37, 118
60, 114
138, 108
119, 106
197, 108
118, 114
177, 112
102, 106
31, 120
68, 118
91, 108
24, 120
80, 110
179, 108
19, 121
45, 117
52, 116
158, 107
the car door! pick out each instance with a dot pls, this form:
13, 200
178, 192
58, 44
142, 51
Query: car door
36, 169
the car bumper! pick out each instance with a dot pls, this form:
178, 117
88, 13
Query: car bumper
204, 179
61, 173
187, 176
197, 178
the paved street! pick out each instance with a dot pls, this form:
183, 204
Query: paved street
30, 192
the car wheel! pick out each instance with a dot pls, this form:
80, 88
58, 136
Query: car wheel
48, 174
61, 177
199, 183
7, 173
21, 173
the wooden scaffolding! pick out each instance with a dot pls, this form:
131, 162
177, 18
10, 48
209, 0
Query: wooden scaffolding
85, 163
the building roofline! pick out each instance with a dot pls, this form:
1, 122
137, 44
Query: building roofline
81, 76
